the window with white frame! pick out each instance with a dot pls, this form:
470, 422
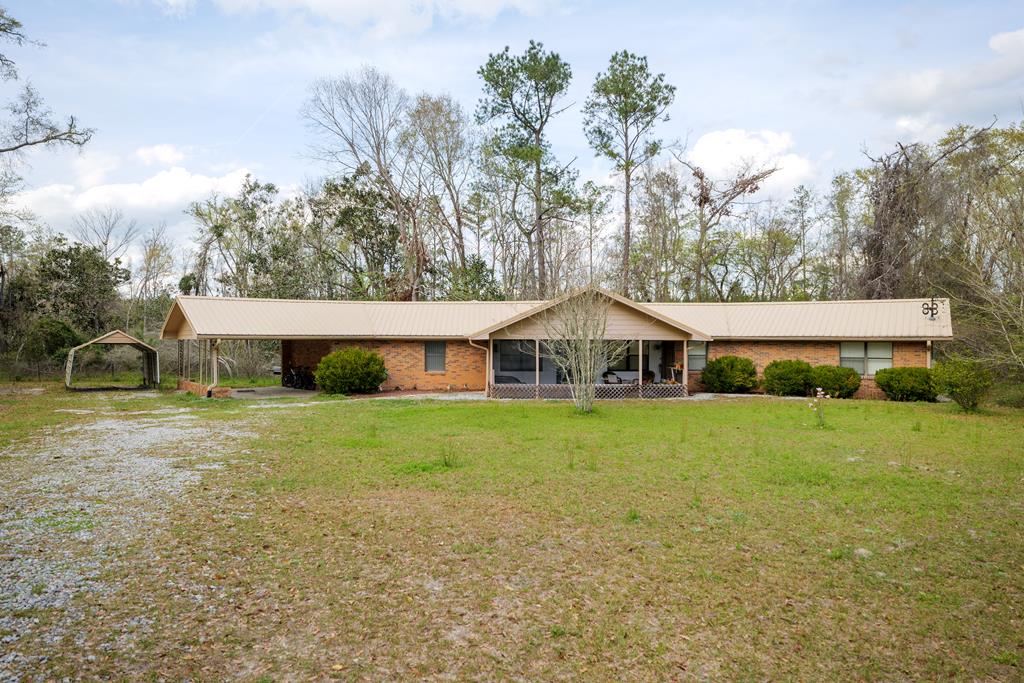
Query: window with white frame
866, 358
434, 353
697, 355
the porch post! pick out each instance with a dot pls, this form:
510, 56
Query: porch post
686, 367
640, 365
536, 366
214, 360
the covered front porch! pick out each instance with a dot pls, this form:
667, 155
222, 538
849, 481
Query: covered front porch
648, 369
654, 363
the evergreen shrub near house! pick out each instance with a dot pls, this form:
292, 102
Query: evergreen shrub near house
350, 371
964, 380
729, 375
836, 381
906, 384
788, 378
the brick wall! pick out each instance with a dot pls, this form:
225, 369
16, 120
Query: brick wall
904, 354
465, 365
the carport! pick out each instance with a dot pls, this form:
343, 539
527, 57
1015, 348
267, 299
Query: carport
150, 359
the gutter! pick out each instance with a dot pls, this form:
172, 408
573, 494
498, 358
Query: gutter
487, 370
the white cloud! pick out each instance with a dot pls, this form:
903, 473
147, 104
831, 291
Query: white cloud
91, 167
168, 192
922, 128
722, 152
160, 154
934, 90
387, 17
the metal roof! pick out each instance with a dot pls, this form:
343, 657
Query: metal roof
231, 318
117, 337
869, 319
196, 317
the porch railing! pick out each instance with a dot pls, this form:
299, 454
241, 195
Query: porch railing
601, 391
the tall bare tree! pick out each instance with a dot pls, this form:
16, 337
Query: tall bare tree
107, 229
149, 278
359, 119
442, 139
715, 201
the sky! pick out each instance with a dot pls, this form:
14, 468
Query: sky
188, 96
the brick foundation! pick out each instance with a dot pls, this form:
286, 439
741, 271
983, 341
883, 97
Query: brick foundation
200, 389
465, 365
904, 354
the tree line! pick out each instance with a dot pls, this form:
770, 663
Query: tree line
426, 200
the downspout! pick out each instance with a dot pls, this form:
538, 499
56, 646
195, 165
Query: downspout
487, 367
214, 370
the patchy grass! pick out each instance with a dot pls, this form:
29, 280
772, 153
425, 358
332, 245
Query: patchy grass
722, 540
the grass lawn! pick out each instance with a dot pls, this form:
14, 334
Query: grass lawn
674, 540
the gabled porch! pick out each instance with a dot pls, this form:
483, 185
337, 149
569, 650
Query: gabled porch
655, 365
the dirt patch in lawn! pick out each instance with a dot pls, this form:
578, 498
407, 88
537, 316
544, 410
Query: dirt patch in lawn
72, 501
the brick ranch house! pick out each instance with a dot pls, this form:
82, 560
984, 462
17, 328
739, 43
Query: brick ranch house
497, 346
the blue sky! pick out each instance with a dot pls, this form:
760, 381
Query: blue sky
189, 95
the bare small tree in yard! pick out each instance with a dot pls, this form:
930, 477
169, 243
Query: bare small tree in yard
575, 328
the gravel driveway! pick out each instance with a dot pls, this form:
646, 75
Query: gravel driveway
73, 499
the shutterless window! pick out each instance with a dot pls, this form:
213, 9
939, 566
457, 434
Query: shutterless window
516, 356
867, 358
433, 352
696, 355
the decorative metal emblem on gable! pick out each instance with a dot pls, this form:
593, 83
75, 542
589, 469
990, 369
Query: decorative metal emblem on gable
930, 308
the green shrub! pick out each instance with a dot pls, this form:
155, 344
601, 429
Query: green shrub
729, 375
50, 339
964, 380
350, 371
906, 384
788, 378
835, 381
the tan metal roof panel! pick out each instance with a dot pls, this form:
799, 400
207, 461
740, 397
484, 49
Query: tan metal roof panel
226, 318
876, 319
222, 317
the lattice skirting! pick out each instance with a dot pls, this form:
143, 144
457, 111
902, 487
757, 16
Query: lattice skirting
601, 391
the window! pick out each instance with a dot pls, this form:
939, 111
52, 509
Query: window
433, 353
696, 355
516, 356
630, 361
867, 358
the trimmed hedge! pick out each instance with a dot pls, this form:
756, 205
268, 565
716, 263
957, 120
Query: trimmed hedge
788, 378
837, 382
963, 380
729, 375
906, 384
350, 371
